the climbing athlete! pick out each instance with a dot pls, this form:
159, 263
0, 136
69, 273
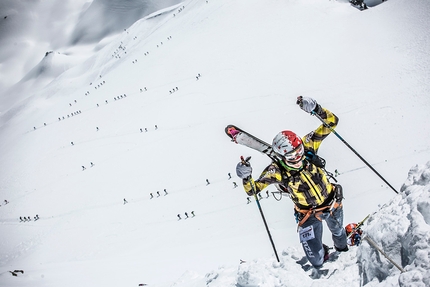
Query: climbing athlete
304, 179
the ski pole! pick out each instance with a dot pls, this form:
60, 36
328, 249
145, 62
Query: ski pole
353, 150
252, 183
371, 242
264, 219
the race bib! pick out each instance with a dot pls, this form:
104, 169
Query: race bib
306, 234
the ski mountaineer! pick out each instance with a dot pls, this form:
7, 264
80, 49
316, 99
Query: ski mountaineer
315, 198
354, 234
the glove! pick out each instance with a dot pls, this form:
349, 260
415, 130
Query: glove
306, 104
244, 170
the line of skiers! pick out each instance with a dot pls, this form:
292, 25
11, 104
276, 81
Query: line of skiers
186, 215
234, 183
83, 167
120, 97
28, 218
68, 116
100, 84
158, 194
151, 195
146, 130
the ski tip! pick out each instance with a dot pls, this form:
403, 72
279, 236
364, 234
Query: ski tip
227, 130
231, 131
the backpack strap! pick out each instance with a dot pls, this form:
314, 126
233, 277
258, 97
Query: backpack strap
318, 162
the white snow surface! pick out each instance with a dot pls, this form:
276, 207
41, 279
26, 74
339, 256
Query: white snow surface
82, 80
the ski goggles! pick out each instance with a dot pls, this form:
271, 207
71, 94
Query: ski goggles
295, 155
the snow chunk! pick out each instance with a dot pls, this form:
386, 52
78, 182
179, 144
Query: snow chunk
402, 231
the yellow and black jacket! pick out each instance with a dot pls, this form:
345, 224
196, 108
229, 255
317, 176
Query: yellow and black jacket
308, 187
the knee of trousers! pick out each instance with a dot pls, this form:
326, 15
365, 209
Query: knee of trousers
314, 254
339, 233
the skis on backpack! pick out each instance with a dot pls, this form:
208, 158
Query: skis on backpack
241, 137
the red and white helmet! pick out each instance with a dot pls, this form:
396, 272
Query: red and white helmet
350, 228
289, 145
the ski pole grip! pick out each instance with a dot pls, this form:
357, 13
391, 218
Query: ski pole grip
245, 161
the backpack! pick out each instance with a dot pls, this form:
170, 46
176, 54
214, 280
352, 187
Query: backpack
315, 159
318, 162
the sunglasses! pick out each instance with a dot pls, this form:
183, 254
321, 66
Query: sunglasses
295, 155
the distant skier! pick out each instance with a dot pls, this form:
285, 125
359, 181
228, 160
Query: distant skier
248, 200
158, 194
359, 3
234, 184
125, 201
192, 213
151, 195
165, 192
207, 182
314, 197
186, 215
179, 216
229, 176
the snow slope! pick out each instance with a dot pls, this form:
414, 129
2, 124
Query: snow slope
371, 68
